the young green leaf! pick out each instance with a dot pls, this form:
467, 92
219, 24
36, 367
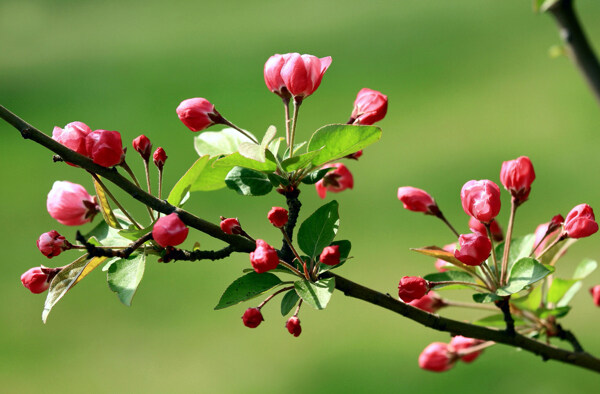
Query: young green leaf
300, 161
519, 247
108, 236
485, 297
450, 276
316, 294
124, 276
316, 176
215, 143
236, 159
319, 229
248, 182
339, 140
496, 320
524, 272
252, 151
183, 186
246, 287
132, 233
289, 301
585, 268
211, 178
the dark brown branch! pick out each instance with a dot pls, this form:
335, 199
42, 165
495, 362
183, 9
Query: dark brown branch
179, 254
504, 306
94, 251
568, 336
577, 43
294, 206
455, 327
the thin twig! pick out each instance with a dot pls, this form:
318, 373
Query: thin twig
94, 251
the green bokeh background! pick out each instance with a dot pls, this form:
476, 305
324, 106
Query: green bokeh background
470, 84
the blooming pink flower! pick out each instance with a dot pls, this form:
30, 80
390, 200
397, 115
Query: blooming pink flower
517, 176
330, 255
595, 292
302, 75
278, 216
477, 227
36, 280
370, 107
104, 147
474, 249
264, 258
52, 244
436, 357
481, 199
412, 288
169, 230
430, 302
198, 114
293, 326
230, 226
335, 181
459, 342
581, 222
252, 317
273, 77
70, 204
440, 264
73, 137
417, 200
143, 146
160, 157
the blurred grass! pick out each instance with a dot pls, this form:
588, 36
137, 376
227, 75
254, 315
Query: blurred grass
470, 85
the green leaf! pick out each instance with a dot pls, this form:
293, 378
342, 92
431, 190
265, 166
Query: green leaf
585, 268
316, 176
274, 145
524, 272
457, 276
530, 301
246, 287
248, 182
559, 288
289, 301
211, 178
496, 320
316, 294
297, 147
557, 312
183, 186
319, 229
339, 140
277, 180
543, 5
132, 233
297, 162
215, 143
252, 151
236, 159
519, 247
345, 247
124, 276
68, 277
268, 137
569, 294
108, 236
485, 297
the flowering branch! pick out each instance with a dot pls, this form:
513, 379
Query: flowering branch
94, 251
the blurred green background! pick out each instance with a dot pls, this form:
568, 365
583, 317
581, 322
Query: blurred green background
470, 84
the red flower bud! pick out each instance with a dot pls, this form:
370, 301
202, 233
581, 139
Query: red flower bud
436, 357
335, 181
73, 137
417, 200
474, 249
273, 77
230, 226
70, 204
370, 107
355, 155
595, 292
198, 114
52, 244
278, 216
143, 146
302, 75
330, 255
463, 343
517, 176
556, 222
412, 288
581, 222
169, 231
481, 199
252, 317
293, 326
104, 147
35, 280
440, 264
477, 227
160, 157
430, 302
264, 258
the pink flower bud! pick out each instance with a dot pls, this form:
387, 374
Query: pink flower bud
143, 146
160, 157
517, 176
412, 288
581, 222
463, 343
230, 226
302, 75
436, 357
278, 216
104, 147
417, 200
70, 204
73, 137
595, 292
273, 77
330, 255
35, 280
370, 107
52, 244
477, 227
481, 199
430, 302
264, 258
474, 249
252, 317
335, 181
293, 326
198, 114
169, 231
440, 264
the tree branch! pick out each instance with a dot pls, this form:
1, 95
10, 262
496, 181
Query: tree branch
294, 206
94, 251
577, 43
187, 255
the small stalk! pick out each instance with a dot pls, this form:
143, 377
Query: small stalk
228, 123
467, 305
286, 106
297, 103
289, 242
135, 180
117, 203
494, 257
291, 268
474, 349
488, 274
269, 298
511, 222
298, 308
438, 214
456, 282
555, 242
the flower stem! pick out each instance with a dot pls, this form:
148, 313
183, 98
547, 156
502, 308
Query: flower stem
245, 133
286, 106
289, 242
269, 298
297, 103
511, 222
468, 305
117, 203
456, 282
555, 242
441, 216
494, 257
291, 268
135, 180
